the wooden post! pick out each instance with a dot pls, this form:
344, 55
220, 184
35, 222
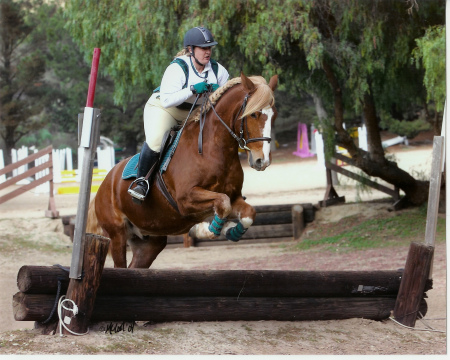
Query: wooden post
413, 283
51, 212
83, 292
188, 240
298, 221
83, 198
433, 197
88, 139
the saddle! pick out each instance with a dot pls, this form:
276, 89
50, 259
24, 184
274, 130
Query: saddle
168, 146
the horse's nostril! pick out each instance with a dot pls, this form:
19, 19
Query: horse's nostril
259, 163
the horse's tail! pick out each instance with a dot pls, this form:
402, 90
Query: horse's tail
92, 225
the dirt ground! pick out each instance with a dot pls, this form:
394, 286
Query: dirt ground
29, 238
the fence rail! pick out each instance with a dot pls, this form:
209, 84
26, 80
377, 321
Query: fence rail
51, 212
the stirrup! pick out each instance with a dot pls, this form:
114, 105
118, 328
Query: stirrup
136, 195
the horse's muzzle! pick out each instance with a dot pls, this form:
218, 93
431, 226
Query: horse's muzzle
259, 164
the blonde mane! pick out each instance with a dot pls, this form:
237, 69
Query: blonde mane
261, 98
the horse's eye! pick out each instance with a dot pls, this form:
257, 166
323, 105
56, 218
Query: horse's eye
253, 115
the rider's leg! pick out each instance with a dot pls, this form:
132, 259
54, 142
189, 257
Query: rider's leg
157, 120
147, 159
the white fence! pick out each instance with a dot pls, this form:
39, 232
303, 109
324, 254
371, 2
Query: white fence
63, 169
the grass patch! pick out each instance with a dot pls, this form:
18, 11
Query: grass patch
354, 233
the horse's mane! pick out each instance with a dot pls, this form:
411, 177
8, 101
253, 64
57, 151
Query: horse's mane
261, 98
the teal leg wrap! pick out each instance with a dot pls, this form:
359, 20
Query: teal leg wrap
216, 225
235, 233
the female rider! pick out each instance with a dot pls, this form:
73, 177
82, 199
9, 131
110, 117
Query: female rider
188, 75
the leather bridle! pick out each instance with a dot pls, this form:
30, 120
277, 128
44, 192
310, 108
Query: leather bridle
242, 142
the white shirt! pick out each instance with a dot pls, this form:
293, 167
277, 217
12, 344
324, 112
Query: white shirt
171, 90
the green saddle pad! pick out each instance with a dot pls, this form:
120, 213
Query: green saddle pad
130, 170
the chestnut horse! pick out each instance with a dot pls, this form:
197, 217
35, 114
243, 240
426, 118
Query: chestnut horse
202, 185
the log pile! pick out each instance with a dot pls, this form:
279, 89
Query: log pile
217, 295
273, 223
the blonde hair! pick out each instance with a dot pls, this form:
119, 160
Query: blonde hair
182, 52
261, 98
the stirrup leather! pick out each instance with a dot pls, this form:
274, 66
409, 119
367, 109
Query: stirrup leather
134, 193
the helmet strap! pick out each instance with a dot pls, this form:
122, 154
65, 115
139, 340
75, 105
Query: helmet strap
192, 54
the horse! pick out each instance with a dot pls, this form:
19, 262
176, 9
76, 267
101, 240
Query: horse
203, 182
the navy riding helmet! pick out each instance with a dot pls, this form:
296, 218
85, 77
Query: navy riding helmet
199, 36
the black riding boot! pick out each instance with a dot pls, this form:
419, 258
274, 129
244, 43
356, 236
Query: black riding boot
147, 159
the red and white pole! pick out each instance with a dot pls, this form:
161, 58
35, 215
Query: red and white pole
89, 110
89, 130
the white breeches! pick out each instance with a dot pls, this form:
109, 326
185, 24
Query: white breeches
158, 120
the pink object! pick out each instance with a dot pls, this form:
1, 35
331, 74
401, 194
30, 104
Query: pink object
302, 142
93, 78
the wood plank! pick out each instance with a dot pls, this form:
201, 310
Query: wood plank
26, 188
361, 179
25, 161
26, 174
29, 307
44, 279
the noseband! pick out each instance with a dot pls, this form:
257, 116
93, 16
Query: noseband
242, 142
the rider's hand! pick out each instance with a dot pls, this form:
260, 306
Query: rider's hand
199, 88
215, 87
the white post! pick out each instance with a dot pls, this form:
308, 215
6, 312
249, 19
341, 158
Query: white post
14, 160
43, 188
57, 179
2, 165
362, 137
69, 161
320, 150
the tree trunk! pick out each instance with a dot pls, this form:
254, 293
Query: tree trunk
373, 163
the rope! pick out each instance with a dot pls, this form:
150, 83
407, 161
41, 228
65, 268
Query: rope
411, 328
66, 318
55, 304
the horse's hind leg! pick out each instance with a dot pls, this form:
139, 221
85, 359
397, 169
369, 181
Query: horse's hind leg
146, 250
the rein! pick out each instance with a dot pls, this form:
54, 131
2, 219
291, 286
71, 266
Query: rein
242, 142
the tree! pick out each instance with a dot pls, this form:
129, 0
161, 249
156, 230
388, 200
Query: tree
22, 67
67, 74
351, 56
357, 56
430, 54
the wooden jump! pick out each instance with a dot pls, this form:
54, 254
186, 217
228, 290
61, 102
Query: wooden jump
217, 295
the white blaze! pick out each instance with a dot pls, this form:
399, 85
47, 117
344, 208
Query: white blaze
266, 132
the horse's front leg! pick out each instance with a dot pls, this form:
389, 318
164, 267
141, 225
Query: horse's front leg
200, 200
246, 215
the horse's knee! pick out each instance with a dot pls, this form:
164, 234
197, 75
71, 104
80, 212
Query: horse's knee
222, 206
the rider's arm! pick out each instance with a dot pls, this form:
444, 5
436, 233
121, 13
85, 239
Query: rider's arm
171, 92
222, 75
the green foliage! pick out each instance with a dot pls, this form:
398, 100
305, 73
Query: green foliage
430, 53
410, 129
23, 89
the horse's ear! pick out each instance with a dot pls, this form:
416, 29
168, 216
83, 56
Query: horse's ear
247, 83
273, 83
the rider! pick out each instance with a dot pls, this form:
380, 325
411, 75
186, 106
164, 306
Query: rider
185, 77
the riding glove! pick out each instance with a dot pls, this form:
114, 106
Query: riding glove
203, 87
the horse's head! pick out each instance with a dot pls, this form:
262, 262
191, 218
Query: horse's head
257, 120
